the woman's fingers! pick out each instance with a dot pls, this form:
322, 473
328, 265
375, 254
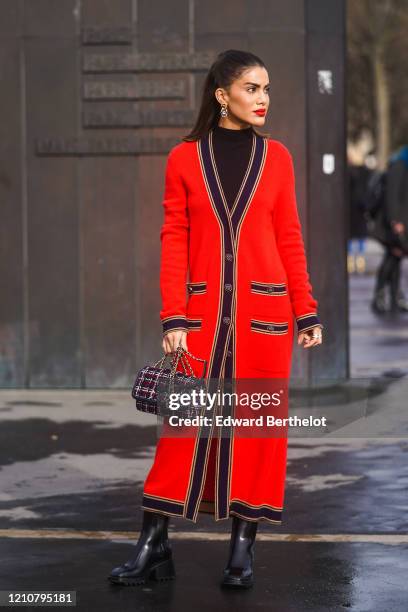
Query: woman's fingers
178, 339
184, 340
173, 340
307, 338
165, 344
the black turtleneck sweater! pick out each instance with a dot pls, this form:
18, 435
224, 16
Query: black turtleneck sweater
232, 150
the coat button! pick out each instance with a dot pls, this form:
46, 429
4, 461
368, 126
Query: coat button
270, 289
228, 287
229, 256
190, 288
226, 320
271, 327
229, 353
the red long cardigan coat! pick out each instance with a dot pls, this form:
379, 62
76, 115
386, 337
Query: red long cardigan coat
247, 283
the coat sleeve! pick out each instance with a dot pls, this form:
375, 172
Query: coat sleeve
291, 248
174, 237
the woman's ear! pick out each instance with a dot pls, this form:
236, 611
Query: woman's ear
220, 96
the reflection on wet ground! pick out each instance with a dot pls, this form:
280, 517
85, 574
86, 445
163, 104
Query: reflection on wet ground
290, 577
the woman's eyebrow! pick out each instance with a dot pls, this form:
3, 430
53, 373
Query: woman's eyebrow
256, 84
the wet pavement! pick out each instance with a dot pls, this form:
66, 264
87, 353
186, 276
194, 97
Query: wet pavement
290, 577
72, 466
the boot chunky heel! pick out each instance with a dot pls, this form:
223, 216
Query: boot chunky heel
153, 555
160, 571
163, 571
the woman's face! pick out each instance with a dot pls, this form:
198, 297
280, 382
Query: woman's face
246, 95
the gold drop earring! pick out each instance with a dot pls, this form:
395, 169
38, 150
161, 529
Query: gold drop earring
224, 110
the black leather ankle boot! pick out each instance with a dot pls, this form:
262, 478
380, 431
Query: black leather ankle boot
379, 302
239, 570
397, 297
153, 554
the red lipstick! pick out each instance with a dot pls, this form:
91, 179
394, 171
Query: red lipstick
260, 112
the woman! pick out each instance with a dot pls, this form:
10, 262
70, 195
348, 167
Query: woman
231, 221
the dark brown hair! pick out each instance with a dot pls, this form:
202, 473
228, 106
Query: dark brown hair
228, 66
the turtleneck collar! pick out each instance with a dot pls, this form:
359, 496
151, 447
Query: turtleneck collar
231, 134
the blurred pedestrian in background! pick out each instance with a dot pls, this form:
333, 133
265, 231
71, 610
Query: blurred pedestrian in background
390, 223
359, 175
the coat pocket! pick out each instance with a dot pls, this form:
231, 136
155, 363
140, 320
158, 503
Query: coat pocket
197, 299
271, 340
197, 288
272, 289
269, 327
269, 300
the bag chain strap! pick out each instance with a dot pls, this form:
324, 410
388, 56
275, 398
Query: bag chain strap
179, 356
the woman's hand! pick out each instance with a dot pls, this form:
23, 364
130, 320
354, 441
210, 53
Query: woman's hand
173, 339
307, 337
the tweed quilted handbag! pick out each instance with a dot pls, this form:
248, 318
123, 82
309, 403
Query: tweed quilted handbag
154, 384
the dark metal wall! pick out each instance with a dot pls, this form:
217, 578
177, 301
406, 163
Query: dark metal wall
94, 94
327, 197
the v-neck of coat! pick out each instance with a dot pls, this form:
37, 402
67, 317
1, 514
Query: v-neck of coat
231, 220
229, 211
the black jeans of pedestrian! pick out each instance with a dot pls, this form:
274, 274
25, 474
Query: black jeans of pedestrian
389, 273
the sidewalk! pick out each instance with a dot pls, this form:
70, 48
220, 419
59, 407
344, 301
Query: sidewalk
378, 344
